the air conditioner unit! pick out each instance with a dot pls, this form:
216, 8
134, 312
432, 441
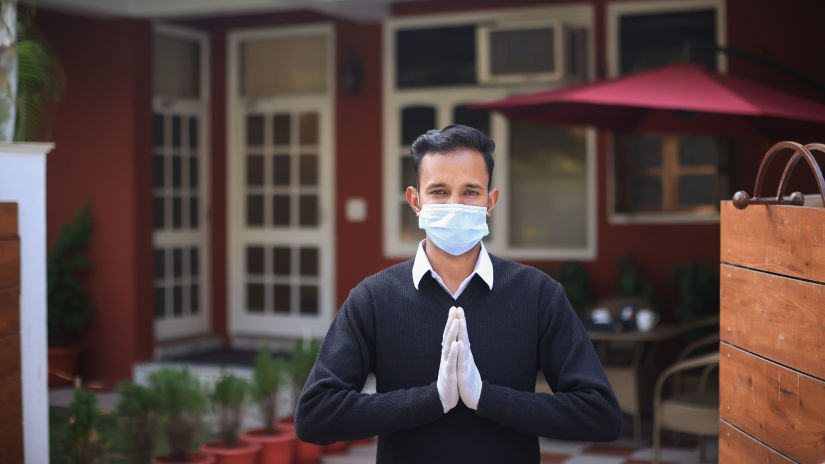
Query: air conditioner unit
531, 51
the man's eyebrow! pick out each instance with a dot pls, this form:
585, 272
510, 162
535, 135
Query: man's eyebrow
475, 186
436, 185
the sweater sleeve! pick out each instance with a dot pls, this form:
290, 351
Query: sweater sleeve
583, 405
332, 408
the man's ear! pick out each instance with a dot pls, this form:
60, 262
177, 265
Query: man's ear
413, 200
492, 200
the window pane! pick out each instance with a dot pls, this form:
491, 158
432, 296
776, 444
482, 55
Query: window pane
280, 210
177, 262
280, 169
193, 172
254, 260
280, 129
281, 258
478, 119
160, 302
255, 210
177, 174
159, 171
176, 132
176, 67
407, 173
416, 120
309, 210
193, 133
278, 66
194, 299
309, 261
160, 263
254, 170
255, 298
309, 299
651, 40
644, 192
157, 124
177, 300
697, 151
697, 190
160, 212
193, 212
548, 179
436, 56
309, 169
282, 298
308, 128
177, 213
255, 129
643, 151
194, 261
522, 51
409, 224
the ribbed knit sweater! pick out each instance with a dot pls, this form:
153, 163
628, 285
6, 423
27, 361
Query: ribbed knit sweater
524, 323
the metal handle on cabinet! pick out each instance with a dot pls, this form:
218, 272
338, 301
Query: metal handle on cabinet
741, 199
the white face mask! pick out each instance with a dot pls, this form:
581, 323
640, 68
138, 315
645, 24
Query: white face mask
454, 228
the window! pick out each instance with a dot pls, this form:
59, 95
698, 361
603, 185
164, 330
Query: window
546, 175
672, 174
666, 177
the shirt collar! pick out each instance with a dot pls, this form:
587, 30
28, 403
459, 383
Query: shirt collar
483, 267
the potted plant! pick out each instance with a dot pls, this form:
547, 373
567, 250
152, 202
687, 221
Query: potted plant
228, 397
82, 445
572, 276
138, 414
299, 367
182, 405
69, 307
277, 446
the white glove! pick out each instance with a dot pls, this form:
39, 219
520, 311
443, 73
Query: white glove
469, 379
447, 383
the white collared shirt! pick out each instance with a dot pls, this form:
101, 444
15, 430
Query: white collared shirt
483, 267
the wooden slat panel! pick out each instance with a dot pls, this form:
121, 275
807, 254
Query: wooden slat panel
776, 317
788, 240
737, 448
9, 263
11, 405
9, 311
9, 358
8, 220
778, 406
11, 446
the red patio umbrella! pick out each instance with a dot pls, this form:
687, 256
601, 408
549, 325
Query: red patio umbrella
680, 98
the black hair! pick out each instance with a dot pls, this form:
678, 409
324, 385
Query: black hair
451, 138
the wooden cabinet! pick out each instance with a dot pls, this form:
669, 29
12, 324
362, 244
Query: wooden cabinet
11, 404
772, 323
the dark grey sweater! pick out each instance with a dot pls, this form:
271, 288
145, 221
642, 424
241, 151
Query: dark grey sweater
388, 327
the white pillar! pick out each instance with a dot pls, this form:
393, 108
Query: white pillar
23, 181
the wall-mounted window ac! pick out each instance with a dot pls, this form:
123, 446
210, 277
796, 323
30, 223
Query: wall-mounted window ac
531, 51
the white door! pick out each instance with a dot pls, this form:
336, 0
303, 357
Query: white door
280, 182
180, 167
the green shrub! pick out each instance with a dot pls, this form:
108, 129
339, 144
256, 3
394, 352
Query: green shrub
182, 406
228, 396
268, 376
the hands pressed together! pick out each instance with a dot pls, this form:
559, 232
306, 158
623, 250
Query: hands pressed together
457, 375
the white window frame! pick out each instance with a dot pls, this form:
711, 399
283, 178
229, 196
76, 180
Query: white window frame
615, 10
581, 15
291, 326
181, 327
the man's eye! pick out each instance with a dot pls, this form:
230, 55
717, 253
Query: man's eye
471, 192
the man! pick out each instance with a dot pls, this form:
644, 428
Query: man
455, 338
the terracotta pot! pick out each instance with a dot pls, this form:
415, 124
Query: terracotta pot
197, 457
245, 453
339, 447
63, 359
304, 452
275, 449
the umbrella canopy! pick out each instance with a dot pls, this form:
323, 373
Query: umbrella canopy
678, 98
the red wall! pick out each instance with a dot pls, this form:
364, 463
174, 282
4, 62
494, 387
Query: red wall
102, 138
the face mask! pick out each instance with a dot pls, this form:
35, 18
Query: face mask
454, 228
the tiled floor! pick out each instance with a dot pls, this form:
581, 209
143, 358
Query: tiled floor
557, 452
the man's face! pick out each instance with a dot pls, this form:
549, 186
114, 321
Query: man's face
459, 176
